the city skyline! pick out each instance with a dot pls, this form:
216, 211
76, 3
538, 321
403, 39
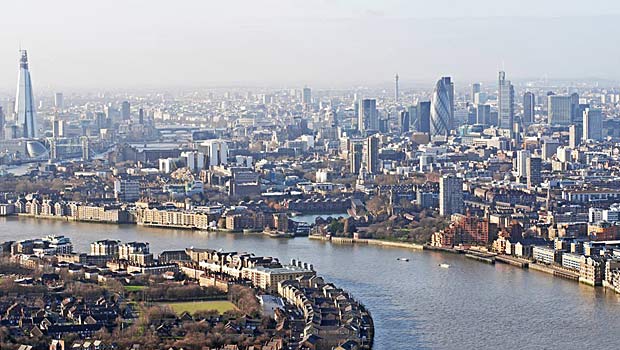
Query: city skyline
174, 172
200, 44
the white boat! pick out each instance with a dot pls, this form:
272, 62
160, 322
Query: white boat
402, 259
445, 266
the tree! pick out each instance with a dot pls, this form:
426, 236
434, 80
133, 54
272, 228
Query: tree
376, 204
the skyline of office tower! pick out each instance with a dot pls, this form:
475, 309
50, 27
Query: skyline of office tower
396, 88
100, 120
306, 96
384, 124
424, 116
141, 116
404, 121
2, 123
85, 148
356, 155
125, 110
24, 101
575, 116
521, 162
517, 130
483, 114
372, 154
59, 101
592, 124
475, 88
560, 107
368, 116
549, 93
529, 105
575, 134
534, 168
505, 102
450, 195
442, 108
414, 120
480, 98
579, 109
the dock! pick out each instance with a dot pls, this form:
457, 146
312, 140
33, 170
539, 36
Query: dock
510, 260
488, 259
556, 271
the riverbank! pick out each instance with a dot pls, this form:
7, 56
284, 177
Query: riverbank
388, 287
367, 241
480, 255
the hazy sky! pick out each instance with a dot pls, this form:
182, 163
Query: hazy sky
160, 43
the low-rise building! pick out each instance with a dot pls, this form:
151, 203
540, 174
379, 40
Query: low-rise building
592, 271
572, 261
546, 255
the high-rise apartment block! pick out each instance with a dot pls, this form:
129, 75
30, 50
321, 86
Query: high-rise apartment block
451, 195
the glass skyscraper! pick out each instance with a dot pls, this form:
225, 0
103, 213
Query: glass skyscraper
505, 102
24, 102
442, 108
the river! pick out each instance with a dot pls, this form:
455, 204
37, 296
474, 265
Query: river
415, 304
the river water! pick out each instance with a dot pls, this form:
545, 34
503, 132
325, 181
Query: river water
415, 304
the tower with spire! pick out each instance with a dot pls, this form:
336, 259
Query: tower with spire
396, 92
24, 102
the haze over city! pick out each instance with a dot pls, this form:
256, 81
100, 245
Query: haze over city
136, 44
309, 175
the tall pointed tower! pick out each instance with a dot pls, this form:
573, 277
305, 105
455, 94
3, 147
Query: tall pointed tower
24, 101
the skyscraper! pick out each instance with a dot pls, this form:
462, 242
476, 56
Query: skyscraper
424, 116
59, 101
404, 121
396, 92
505, 102
372, 154
592, 124
560, 109
414, 120
125, 110
442, 108
522, 157
356, 153
580, 108
483, 114
575, 116
306, 97
574, 136
529, 102
2, 122
368, 117
475, 88
480, 98
534, 167
85, 148
450, 195
24, 102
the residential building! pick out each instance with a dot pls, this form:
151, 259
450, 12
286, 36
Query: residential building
451, 195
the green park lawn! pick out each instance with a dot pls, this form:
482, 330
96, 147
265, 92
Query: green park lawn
192, 306
134, 288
